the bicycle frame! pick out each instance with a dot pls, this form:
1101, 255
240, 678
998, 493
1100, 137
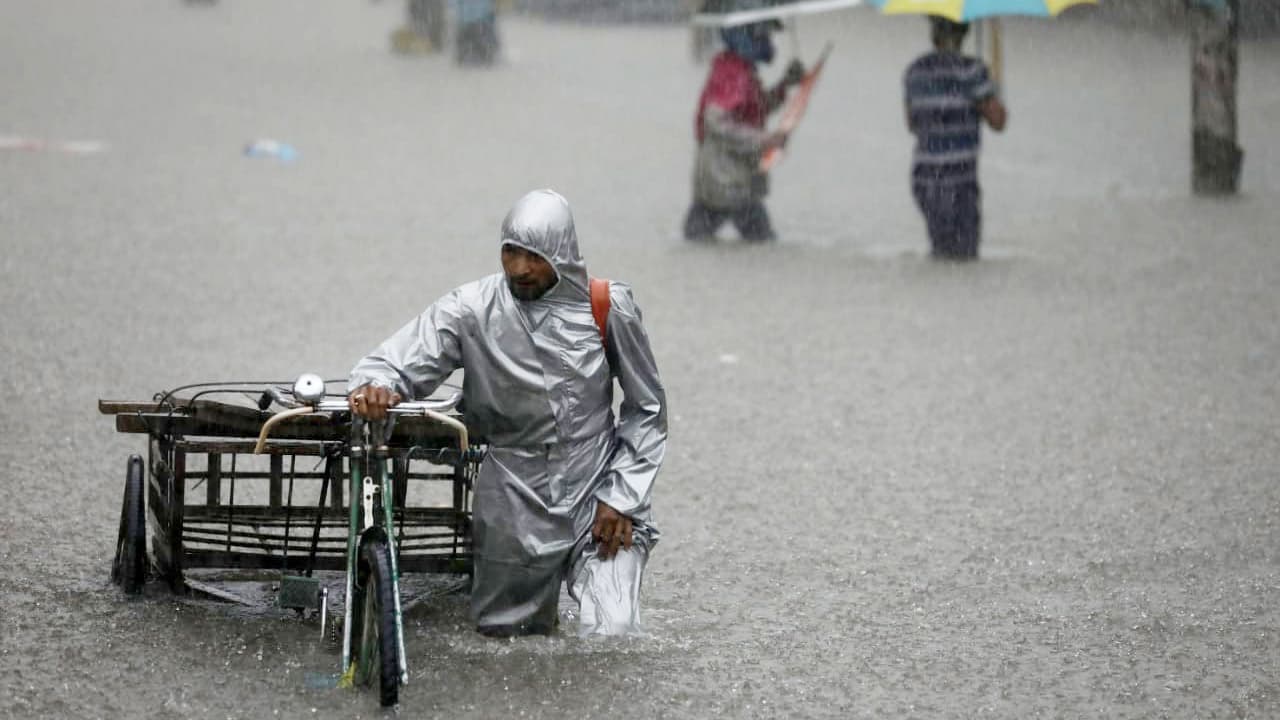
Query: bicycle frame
370, 481
369, 452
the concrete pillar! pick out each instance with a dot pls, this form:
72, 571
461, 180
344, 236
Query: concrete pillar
1216, 157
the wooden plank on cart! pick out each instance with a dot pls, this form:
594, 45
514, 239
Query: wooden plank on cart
118, 407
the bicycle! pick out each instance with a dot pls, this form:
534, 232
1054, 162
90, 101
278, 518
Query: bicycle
379, 531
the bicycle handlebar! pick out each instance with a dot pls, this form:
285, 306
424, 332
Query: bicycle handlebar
434, 409
410, 407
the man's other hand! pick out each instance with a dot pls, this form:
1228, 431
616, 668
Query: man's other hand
994, 112
372, 401
776, 139
611, 530
795, 73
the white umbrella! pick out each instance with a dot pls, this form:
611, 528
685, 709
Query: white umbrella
780, 11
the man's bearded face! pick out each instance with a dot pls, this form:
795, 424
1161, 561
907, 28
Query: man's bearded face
529, 275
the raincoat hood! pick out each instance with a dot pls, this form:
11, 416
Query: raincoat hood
542, 223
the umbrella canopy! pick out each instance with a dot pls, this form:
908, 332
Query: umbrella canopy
728, 13
966, 10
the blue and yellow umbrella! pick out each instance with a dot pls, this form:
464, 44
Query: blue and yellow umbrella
966, 10
990, 10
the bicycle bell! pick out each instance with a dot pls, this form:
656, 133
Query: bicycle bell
309, 388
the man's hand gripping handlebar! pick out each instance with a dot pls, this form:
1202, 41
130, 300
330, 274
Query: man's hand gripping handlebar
373, 402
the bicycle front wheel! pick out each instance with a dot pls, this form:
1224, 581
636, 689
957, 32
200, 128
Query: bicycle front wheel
373, 619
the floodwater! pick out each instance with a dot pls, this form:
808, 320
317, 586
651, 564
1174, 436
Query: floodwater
1043, 485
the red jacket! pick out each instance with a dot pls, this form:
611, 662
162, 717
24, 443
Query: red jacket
733, 85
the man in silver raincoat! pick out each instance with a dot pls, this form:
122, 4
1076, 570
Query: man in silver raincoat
564, 491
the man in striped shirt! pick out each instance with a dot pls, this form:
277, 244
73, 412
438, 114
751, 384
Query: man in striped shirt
948, 95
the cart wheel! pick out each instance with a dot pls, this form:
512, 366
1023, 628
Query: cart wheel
374, 623
130, 565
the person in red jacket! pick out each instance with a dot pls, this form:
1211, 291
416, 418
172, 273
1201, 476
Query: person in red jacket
730, 129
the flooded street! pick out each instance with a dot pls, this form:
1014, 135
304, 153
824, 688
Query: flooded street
1042, 485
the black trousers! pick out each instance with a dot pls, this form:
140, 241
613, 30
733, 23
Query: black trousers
750, 220
953, 213
427, 19
477, 42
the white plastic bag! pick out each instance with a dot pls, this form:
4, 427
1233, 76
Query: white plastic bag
608, 592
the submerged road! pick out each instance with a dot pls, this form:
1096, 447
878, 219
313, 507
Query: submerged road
1043, 485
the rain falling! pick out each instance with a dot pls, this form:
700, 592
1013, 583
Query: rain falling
944, 358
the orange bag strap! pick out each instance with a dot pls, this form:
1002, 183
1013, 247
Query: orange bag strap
600, 305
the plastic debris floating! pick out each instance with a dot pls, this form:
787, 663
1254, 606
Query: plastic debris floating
70, 147
283, 152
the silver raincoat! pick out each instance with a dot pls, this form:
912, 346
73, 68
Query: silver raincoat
537, 385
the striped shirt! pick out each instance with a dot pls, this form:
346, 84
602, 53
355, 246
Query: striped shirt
943, 91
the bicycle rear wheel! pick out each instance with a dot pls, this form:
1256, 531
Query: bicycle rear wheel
128, 570
374, 647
